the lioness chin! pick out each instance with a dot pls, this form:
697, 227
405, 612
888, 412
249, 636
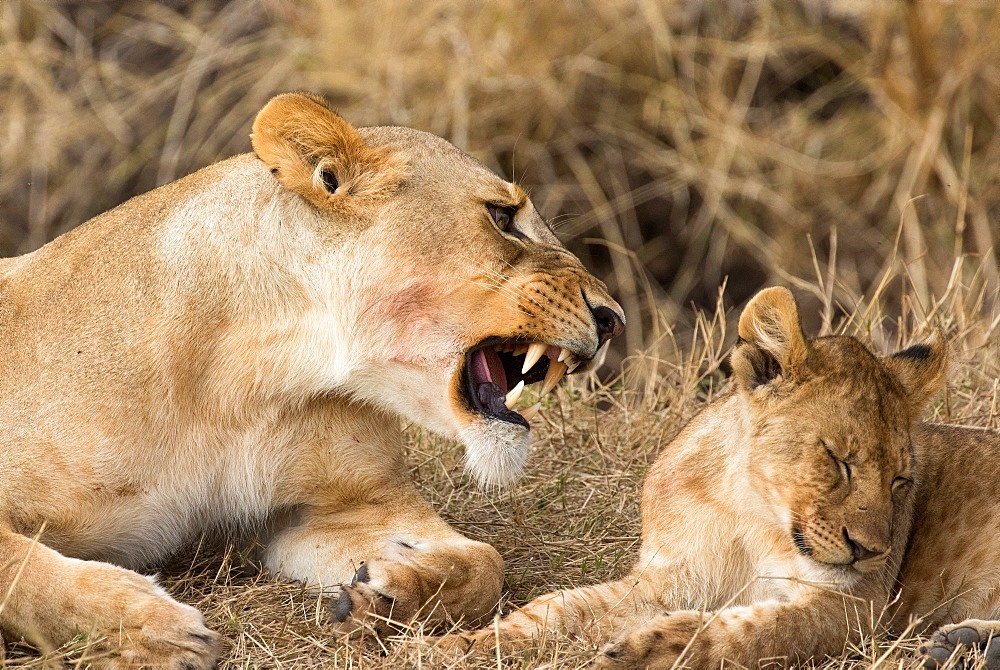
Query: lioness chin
800, 510
239, 348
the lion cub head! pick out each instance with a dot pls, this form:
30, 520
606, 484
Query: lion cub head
437, 291
829, 451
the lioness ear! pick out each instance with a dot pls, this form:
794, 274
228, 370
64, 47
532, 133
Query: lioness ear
771, 343
317, 154
921, 369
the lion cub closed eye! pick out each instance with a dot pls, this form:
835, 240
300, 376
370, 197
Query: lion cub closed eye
791, 508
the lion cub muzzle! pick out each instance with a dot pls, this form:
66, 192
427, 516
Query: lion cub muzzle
821, 541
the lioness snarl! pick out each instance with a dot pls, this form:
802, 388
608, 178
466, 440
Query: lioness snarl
785, 518
239, 347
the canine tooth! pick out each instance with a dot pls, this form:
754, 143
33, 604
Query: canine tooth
531, 412
514, 395
552, 377
520, 349
601, 354
564, 354
535, 351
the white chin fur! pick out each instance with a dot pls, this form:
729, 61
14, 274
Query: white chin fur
834, 577
495, 452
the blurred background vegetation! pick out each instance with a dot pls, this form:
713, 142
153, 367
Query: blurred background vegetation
844, 147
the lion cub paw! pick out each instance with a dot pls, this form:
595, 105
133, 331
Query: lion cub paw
455, 647
953, 641
658, 644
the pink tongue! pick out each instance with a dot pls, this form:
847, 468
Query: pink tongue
486, 367
497, 375
480, 370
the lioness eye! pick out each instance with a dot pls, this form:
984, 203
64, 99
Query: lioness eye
900, 482
502, 216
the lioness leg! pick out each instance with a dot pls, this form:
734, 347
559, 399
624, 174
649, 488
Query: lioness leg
395, 559
971, 634
48, 599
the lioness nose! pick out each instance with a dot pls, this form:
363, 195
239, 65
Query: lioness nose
860, 551
609, 324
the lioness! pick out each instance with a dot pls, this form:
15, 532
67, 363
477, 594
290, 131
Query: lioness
239, 348
788, 513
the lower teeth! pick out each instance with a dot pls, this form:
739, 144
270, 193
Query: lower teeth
531, 412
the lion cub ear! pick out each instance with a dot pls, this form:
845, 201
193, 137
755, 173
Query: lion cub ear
772, 344
317, 154
921, 370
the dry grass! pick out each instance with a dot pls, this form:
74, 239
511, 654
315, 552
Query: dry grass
845, 148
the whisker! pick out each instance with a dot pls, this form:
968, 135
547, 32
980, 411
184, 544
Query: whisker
519, 291
499, 291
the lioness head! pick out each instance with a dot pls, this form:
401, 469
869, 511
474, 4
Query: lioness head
830, 450
441, 288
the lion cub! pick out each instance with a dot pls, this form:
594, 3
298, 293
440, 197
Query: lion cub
794, 507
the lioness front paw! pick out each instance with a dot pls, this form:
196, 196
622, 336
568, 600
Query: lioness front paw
953, 641
362, 604
138, 624
431, 584
658, 644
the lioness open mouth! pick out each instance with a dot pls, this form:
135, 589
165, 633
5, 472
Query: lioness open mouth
497, 370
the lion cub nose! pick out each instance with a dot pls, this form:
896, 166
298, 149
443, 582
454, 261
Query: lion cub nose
609, 324
860, 551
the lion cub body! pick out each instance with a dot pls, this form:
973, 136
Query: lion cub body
239, 348
784, 519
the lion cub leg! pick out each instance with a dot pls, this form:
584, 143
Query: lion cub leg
394, 560
599, 611
955, 639
817, 623
48, 599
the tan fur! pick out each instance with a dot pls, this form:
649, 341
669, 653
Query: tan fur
237, 349
749, 515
